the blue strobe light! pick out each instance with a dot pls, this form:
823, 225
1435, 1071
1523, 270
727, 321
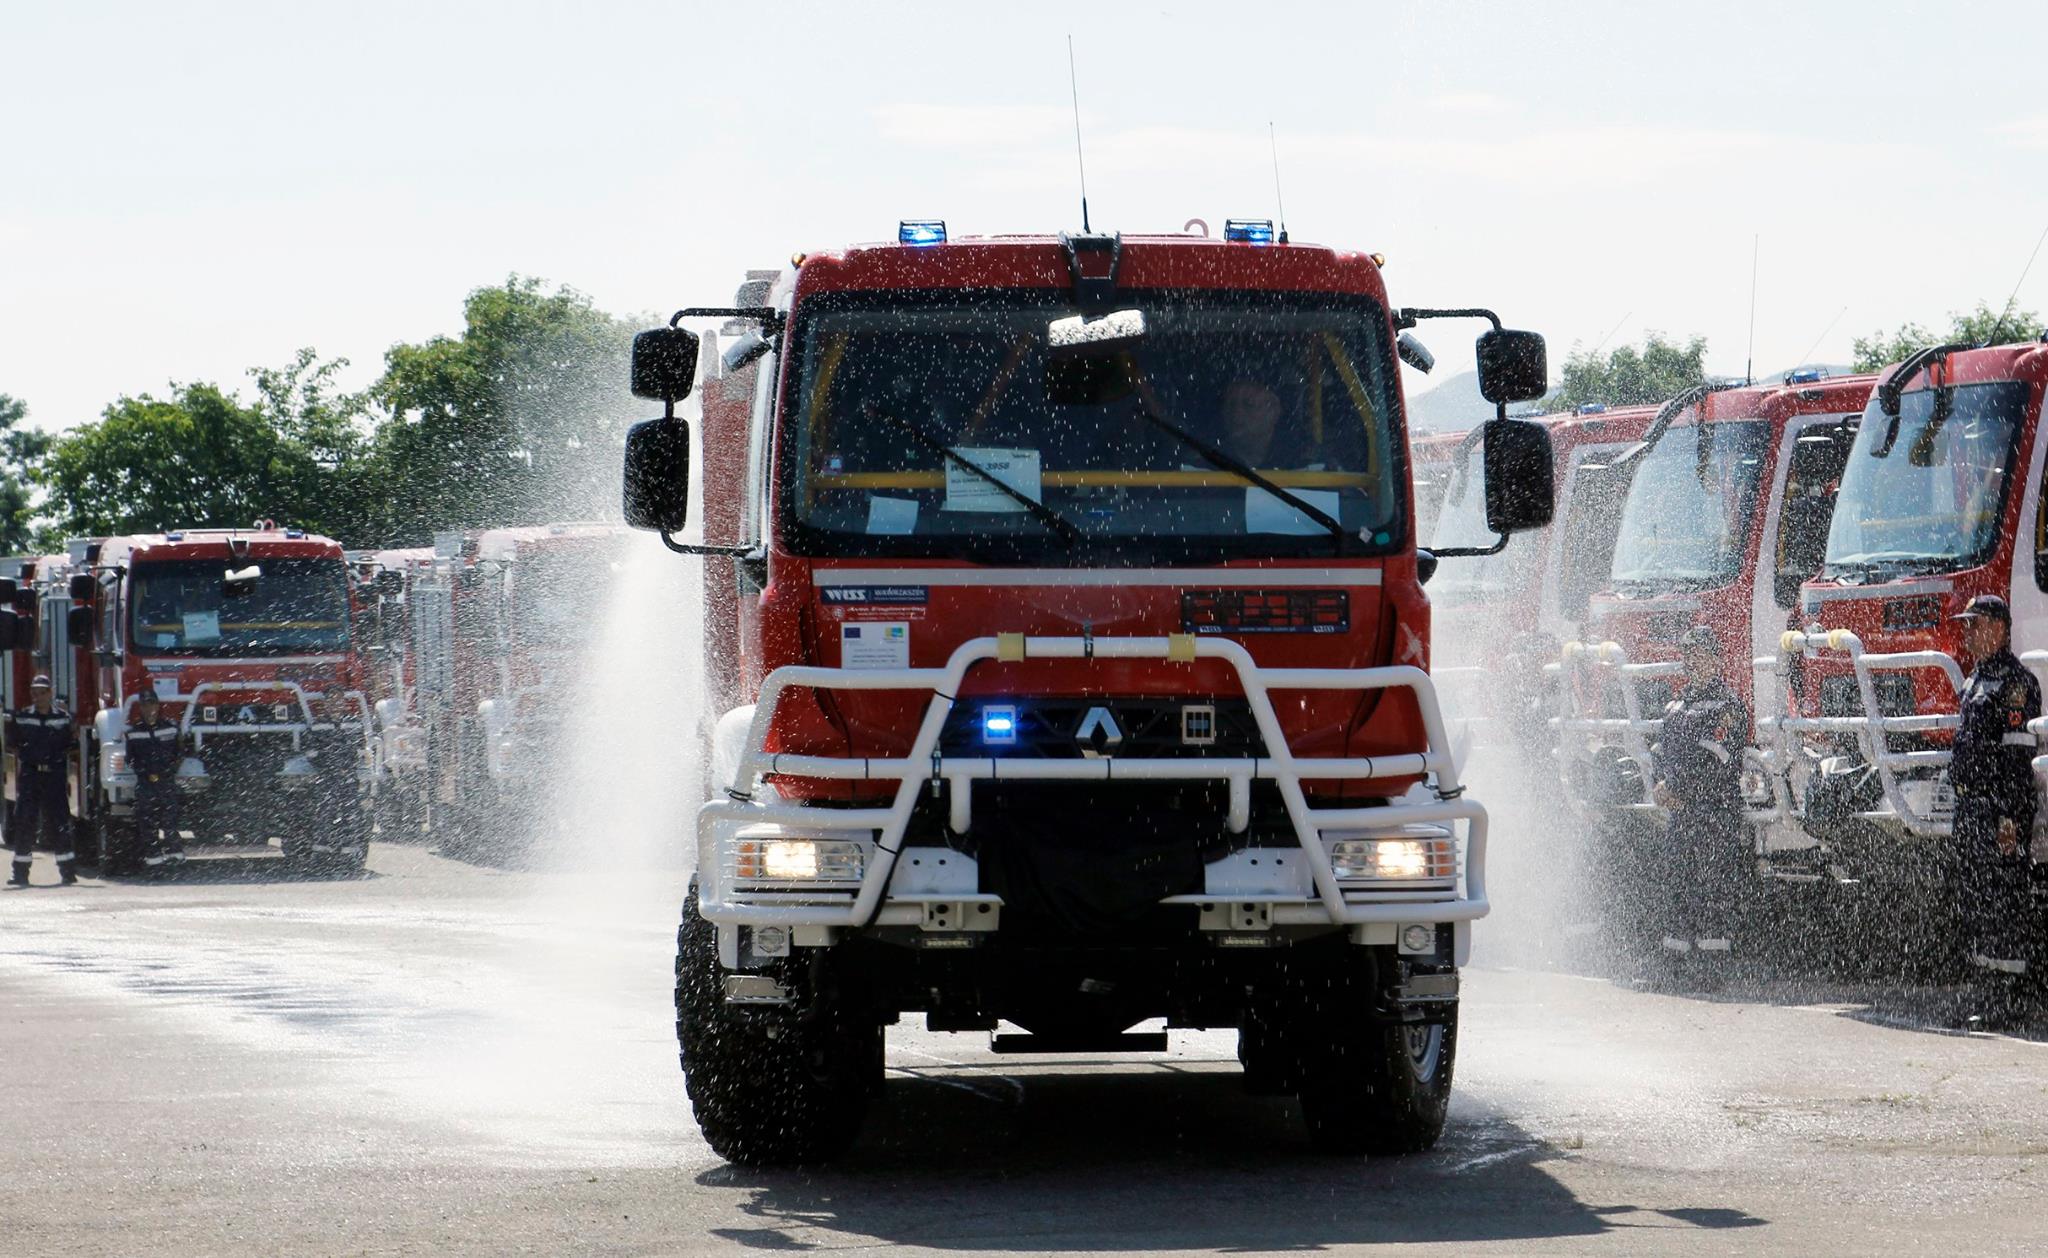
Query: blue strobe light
921, 231
1249, 231
999, 726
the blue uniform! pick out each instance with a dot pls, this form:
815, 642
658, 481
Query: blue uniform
1992, 773
1698, 756
41, 742
154, 753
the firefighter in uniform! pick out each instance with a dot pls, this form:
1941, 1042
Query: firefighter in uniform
1992, 774
1696, 769
154, 753
40, 736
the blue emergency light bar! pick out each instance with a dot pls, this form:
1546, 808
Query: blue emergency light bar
1248, 231
999, 726
921, 231
1806, 375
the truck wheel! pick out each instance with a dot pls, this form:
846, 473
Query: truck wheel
1380, 1090
115, 840
769, 1085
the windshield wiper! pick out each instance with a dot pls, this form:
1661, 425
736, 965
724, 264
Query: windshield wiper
1238, 467
1039, 511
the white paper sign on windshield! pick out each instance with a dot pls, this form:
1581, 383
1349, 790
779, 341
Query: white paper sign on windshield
1264, 513
202, 626
1019, 469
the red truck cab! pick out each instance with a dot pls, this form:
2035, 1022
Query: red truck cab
1081, 647
248, 637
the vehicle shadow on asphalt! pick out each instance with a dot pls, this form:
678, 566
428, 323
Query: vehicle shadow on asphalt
1162, 1158
202, 870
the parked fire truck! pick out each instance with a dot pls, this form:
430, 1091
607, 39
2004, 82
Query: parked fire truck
1941, 499
384, 581
35, 602
1512, 611
1726, 511
1083, 647
495, 620
247, 636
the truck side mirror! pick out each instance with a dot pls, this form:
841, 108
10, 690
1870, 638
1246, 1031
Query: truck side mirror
1513, 366
25, 601
83, 588
10, 629
9, 587
657, 485
1519, 468
78, 626
664, 364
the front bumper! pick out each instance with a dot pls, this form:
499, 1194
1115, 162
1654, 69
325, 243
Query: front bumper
939, 889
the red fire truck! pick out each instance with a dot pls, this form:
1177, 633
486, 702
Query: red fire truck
1511, 612
248, 637
494, 624
37, 597
1941, 499
1726, 512
1082, 641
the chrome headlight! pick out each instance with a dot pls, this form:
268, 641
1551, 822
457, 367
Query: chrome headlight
1406, 860
766, 854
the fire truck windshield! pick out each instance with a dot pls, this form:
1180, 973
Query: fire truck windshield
184, 607
904, 408
1687, 513
1462, 522
1925, 493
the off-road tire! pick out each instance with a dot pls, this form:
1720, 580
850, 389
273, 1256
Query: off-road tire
1368, 1090
114, 839
770, 1085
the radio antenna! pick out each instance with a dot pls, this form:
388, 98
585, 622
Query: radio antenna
1611, 331
1749, 365
1273, 142
1822, 337
2006, 313
1080, 160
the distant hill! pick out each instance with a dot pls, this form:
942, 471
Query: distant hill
1450, 405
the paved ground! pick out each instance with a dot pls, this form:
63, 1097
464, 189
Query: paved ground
443, 1058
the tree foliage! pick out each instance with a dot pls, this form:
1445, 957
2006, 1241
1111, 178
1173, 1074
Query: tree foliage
21, 449
520, 419
1630, 376
1974, 327
201, 457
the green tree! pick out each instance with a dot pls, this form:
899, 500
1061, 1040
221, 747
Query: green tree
1976, 327
202, 457
1629, 376
21, 449
519, 420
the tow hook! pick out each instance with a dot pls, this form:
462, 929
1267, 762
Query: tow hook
754, 989
1425, 997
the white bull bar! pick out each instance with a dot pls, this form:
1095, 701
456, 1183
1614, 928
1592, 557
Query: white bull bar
1603, 667
1331, 902
1870, 726
1580, 730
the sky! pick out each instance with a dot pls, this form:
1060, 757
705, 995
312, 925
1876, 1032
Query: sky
191, 190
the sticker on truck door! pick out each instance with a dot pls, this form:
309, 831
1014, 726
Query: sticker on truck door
875, 644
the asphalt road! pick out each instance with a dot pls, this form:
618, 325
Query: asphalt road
447, 1058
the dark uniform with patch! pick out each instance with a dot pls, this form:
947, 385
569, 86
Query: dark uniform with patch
1699, 757
1992, 773
154, 754
41, 742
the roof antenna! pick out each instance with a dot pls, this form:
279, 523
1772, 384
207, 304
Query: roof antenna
1610, 333
1080, 160
1808, 355
1273, 142
2006, 313
1749, 366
